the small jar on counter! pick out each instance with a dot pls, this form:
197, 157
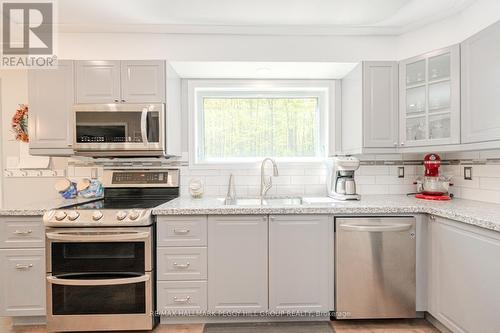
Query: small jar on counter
89, 188
66, 188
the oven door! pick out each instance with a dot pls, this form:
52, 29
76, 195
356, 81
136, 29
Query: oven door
90, 302
119, 129
99, 250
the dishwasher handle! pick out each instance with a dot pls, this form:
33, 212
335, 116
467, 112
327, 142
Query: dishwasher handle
376, 228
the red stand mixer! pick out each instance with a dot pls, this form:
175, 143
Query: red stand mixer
433, 186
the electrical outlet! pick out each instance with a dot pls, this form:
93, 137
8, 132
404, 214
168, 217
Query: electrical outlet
468, 173
401, 172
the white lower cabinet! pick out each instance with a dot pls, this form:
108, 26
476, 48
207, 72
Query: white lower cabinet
237, 263
22, 282
464, 276
181, 261
300, 262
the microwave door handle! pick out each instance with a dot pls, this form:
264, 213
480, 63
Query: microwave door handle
144, 118
99, 282
376, 228
75, 237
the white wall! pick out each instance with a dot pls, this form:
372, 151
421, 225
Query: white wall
15, 190
189, 47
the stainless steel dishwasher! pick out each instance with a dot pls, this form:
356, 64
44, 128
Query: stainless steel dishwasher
375, 267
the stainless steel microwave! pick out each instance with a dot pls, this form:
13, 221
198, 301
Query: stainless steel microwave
114, 130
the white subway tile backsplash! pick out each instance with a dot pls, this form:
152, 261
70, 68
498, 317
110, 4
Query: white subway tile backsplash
290, 189
393, 180
315, 190
402, 189
247, 180
371, 179
297, 180
373, 189
488, 183
373, 170
487, 170
365, 179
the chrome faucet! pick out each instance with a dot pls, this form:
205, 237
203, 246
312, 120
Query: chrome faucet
266, 182
231, 193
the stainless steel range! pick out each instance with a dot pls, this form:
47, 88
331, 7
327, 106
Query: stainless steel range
100, 255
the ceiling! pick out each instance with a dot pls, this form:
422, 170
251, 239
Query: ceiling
253, 16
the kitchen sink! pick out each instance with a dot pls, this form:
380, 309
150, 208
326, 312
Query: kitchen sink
270, 201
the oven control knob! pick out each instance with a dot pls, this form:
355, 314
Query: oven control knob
73, 215
134, 215
60, 215
96, 216
121, 215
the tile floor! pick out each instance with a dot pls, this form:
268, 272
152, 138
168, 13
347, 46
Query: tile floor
357, 326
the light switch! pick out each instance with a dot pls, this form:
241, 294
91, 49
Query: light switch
401, 172
468, 173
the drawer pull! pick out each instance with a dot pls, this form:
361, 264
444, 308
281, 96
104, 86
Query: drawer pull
186, 265
22, 267
181, 231
182, 300
23, 233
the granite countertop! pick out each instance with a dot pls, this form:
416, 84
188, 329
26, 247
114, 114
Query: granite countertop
482, 214
38, 208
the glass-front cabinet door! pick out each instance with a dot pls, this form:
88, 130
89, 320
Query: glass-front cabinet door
430, 98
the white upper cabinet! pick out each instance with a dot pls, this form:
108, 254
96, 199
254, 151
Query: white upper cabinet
137, 81
481, 86
237, 263
300, 263
380, 104
97, 81
369, 114
430, 98
51, 96
142, 81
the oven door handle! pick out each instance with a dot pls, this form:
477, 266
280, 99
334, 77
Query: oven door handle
100, 282
75, 237
144, 118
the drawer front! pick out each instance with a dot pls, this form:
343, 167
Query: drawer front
182, 296
182, 231
21, 233
182, 263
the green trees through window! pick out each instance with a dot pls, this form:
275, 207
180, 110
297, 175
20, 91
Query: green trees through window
243, 127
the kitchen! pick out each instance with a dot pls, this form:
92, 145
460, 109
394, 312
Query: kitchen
212, 167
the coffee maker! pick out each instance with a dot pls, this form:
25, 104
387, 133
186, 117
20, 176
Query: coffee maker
341, 184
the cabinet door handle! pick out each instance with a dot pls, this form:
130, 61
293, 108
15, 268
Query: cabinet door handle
23, 233
186, 265
123, 101
182, 300
395, 143
181, 231
402, 143
116, 101
22, 267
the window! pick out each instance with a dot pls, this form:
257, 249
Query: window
238, 121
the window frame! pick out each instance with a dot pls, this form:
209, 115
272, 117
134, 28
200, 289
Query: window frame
198, 89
